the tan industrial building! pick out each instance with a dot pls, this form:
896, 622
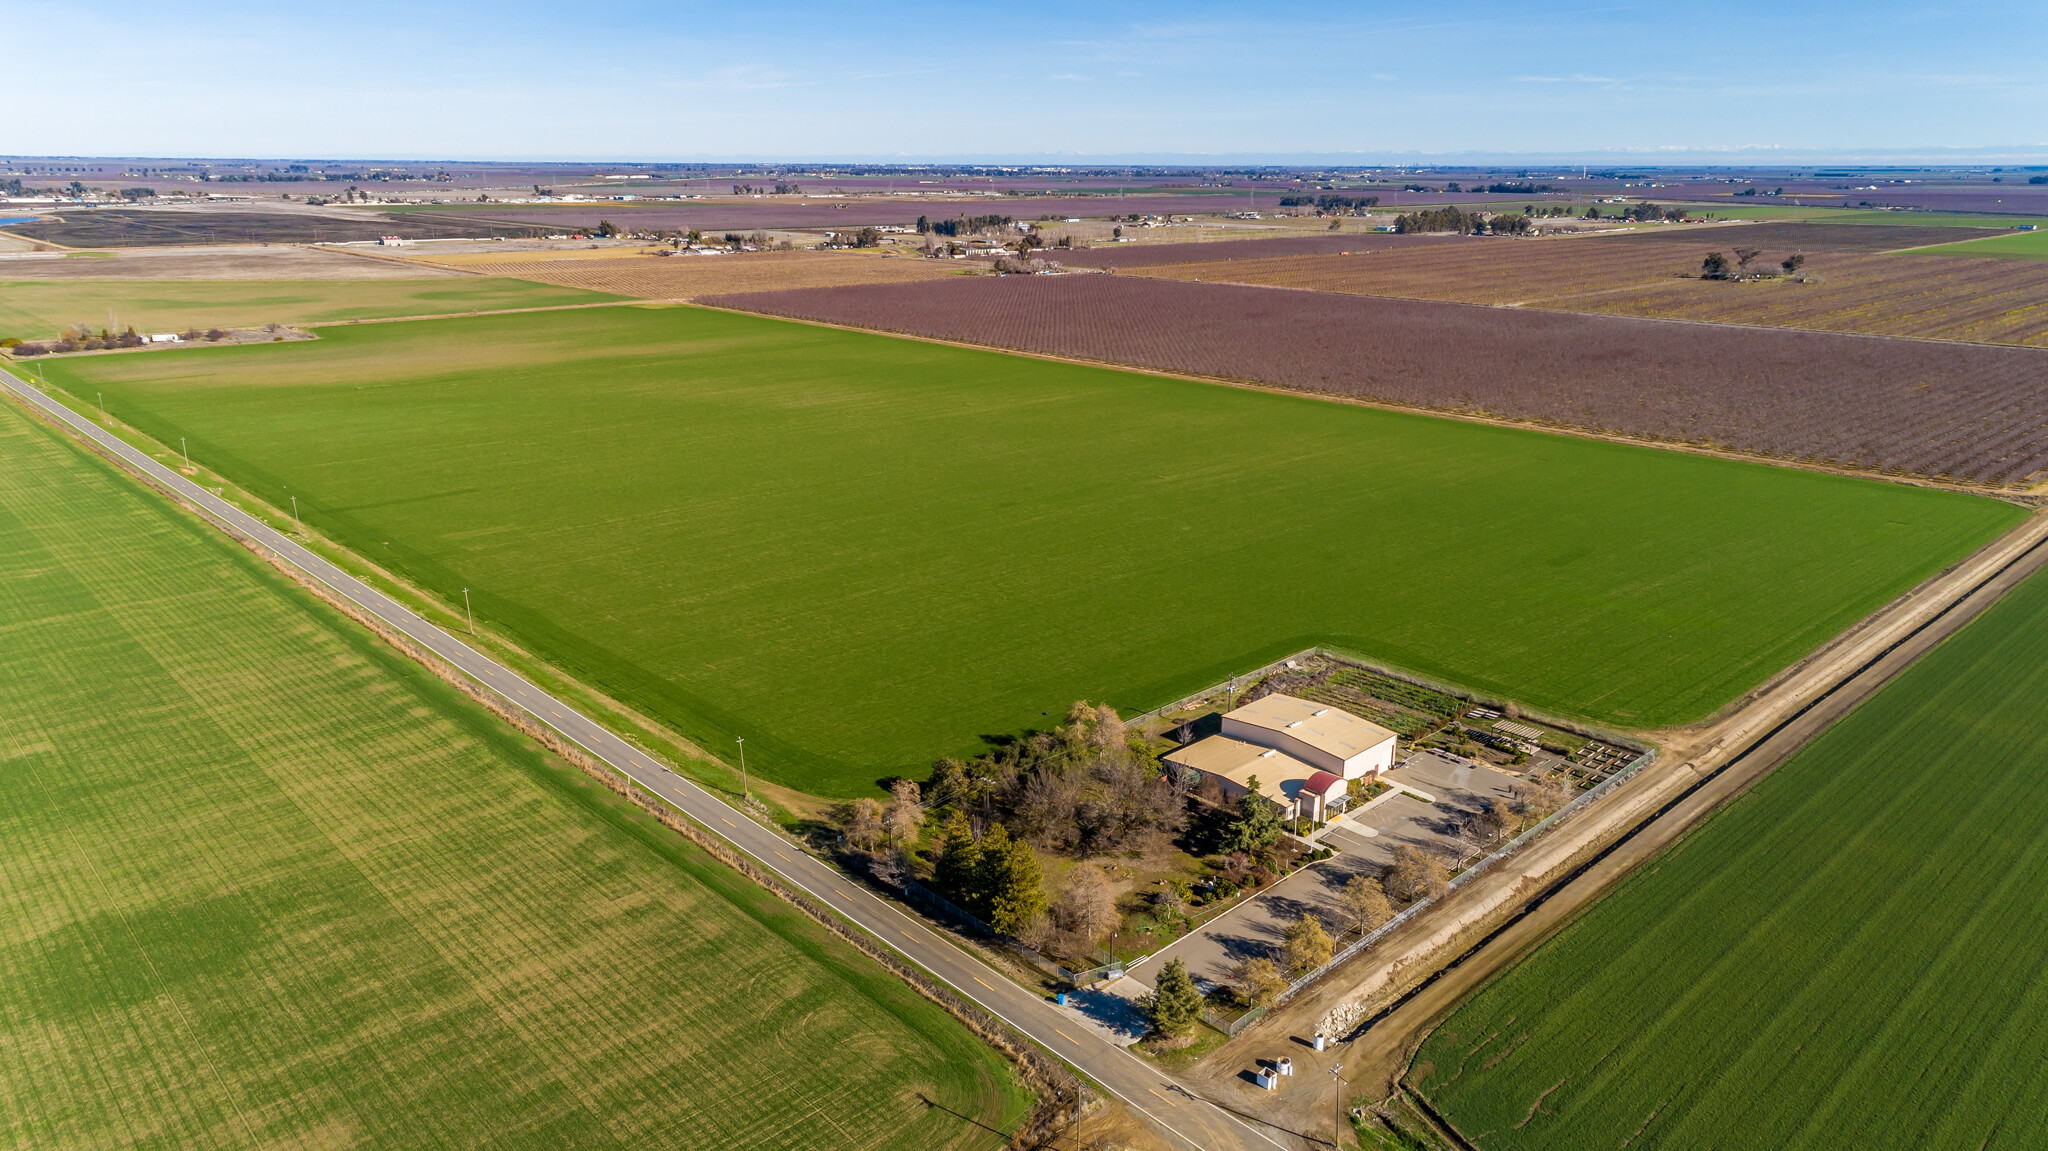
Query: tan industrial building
1303, 754
1328, 738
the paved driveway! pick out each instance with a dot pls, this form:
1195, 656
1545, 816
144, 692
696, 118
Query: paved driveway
1365, 842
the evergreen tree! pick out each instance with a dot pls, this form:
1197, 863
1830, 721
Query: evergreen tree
1257, 824
954, 874
1009, 882
1176, 1006
991, 860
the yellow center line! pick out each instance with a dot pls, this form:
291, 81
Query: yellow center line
1158, 1096
780, 856
729, 823
977, 979
1067, 1037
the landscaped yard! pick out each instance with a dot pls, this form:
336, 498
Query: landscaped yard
1850, 956
267, 883
862, 553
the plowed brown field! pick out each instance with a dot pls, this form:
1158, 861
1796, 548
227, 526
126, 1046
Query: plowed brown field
689, 277
1866, 292
1904, 406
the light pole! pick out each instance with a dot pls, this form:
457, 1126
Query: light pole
468, 612
297, 527
745, 787
187, 449
103, 404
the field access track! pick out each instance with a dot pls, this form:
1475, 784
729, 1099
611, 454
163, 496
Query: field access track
1193, 1123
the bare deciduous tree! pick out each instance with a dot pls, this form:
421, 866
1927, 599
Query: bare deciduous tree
1258, 981
905, 816
1491, 823
1365, 903
1045, 806
1308, 946
1416, 874
862, 822
1167, 900
1087, 905
1533, 800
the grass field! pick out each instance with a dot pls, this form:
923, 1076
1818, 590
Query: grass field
1848, 957
689, 277
267, 884
35, 310
1724, 210
862, 552
2016, 246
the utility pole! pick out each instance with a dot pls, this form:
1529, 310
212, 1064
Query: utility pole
466, 611
297, 527
187, 449
103, 404
1337, 1107
746, 788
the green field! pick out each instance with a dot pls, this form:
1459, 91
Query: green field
1738, 210
265, 883
39, 310
1848, 957
2012, 246
862, 553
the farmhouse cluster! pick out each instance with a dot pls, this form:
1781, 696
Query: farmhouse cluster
1302, 755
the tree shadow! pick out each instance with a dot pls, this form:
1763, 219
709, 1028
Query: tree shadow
1204, 830
934, 1105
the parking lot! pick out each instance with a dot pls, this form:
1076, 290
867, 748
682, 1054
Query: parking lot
1365, 842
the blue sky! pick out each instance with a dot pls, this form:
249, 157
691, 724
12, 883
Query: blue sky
1743, 81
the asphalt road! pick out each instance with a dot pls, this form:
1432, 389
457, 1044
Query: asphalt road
1185, 1117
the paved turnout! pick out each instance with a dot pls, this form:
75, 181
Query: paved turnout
1188, 1119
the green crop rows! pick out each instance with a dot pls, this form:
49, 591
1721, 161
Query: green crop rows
862, 553
267, 884
1397, 691
1851, 956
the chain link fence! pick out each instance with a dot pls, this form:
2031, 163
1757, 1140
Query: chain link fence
1561, 815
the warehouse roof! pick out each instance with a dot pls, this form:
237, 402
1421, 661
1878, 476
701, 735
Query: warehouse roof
1238, 762
1327, 729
